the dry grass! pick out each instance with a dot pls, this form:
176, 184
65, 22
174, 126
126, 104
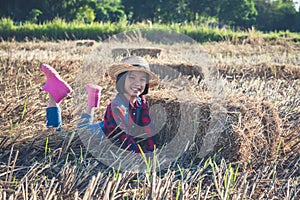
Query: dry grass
254, 110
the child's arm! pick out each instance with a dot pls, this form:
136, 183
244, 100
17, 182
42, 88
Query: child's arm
126, 123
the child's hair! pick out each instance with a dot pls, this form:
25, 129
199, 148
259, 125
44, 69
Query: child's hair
121, 82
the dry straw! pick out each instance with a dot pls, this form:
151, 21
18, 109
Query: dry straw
43, 164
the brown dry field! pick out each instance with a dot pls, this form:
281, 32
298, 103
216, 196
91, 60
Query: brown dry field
255, 86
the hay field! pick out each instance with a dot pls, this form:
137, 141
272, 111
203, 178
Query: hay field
256, 154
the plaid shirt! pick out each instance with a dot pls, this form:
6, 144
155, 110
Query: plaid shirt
128, 124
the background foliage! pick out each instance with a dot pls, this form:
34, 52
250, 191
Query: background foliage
59, 29
265, 15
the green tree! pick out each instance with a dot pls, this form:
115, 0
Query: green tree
204, 11
85, 14
285, 14
141, 10
173, 11
34, 15
276, 15
112, 11
241, 13
17, 10
265, 18
23, 10
204, 7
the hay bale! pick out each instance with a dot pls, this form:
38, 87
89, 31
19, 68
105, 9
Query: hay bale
147, 51
248, 134
86, 43
255, 127
262, 70
173, 70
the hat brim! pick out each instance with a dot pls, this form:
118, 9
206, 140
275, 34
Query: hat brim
117, 69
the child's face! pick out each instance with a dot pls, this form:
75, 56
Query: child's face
135, 83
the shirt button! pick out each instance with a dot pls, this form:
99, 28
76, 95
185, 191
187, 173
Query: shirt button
133, 113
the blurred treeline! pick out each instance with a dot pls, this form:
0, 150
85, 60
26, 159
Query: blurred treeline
264, 15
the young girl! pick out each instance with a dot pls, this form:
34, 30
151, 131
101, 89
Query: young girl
127, 120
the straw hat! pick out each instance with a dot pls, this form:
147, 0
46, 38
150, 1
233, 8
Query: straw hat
132, 63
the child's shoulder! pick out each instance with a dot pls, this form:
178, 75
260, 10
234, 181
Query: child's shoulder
116, 106
117, 101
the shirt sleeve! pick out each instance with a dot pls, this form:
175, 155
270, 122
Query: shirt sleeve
133, 133
121, 116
